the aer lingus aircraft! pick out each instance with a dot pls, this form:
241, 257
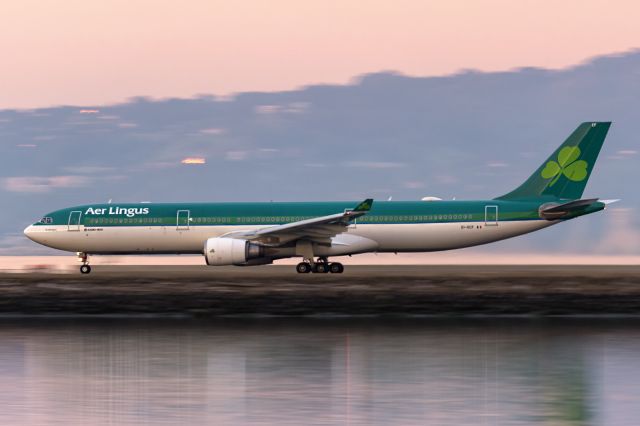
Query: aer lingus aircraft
258, 233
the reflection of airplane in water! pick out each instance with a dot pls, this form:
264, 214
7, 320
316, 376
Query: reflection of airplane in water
313, 372
259, 233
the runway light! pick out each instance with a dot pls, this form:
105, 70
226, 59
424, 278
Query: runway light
194, 160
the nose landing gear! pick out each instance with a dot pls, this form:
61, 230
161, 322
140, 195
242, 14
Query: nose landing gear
84, 258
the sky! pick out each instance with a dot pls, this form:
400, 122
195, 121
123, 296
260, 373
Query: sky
96, 55
78, 52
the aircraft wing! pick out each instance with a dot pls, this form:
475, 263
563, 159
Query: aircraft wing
319, 229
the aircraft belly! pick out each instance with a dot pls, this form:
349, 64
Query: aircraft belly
443, 236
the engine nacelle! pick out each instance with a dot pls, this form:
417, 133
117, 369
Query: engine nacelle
230, 251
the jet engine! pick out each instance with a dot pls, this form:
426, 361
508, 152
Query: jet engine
230, 251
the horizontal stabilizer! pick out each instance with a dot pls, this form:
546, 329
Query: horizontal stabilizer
552, 211
607, 202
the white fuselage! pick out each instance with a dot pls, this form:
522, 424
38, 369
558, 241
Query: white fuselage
172, 239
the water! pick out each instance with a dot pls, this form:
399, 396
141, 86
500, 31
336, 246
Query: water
308, 372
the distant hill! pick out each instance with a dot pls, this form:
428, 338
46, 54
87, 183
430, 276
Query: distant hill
467, 135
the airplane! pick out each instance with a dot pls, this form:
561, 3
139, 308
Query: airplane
246, 234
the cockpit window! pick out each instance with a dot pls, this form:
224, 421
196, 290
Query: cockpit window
46, 220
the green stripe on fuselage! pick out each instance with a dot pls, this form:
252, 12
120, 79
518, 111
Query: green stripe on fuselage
251, 214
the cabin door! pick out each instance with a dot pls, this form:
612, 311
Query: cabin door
74, 221
491, 215
183, 218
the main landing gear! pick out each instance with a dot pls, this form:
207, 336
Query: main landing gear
322, 266
84, 258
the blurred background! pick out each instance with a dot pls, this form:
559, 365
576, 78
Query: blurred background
288, 100
333, 100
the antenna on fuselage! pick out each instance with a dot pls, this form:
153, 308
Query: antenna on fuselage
109, 202
389, 199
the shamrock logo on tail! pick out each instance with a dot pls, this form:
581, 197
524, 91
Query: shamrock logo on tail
567, 164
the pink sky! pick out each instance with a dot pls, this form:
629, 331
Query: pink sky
87, 52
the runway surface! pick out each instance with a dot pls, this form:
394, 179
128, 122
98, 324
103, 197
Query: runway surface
202, 291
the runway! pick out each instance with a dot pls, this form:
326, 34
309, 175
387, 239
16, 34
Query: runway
199, 291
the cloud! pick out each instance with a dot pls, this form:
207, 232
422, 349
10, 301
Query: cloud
267, 109
297, 107
623, 154
290, 108
413, 184
446, 179
225, 98
213, 131
622, 236
88, 170
194, 160
236, 155
43, 184
374, 164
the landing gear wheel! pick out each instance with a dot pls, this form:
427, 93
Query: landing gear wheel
85, 269
336, 268
303, 268
321, 268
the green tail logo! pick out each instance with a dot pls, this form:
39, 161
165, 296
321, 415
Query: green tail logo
568, 165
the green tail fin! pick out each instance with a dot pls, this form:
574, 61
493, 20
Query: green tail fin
566, 172
364, 206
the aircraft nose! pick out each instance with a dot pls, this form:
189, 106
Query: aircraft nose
28, 232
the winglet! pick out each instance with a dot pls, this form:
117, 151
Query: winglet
364, 206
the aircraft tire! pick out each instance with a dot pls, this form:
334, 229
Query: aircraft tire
321, 268
336, 268
303, 268
85, 269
